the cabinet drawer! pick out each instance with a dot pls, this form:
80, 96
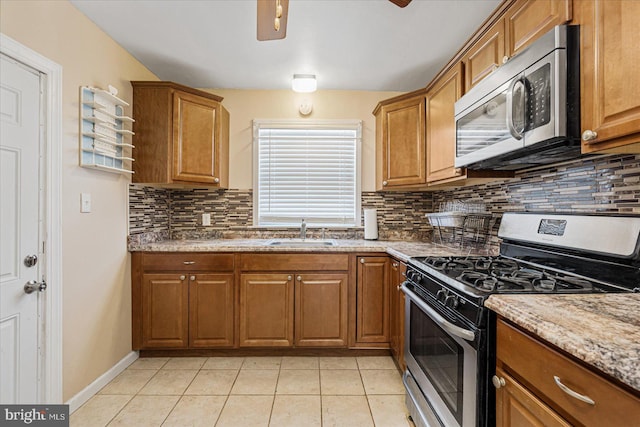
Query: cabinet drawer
536, 365
187, 261
291, 262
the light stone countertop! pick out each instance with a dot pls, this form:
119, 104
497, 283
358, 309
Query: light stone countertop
400, 250
602, 330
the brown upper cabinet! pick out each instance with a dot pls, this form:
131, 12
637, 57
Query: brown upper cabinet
527, 20
610, 61
441, 126
485, 55
181, 135
400, 142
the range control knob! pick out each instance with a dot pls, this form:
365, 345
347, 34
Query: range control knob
441, 295
451, 301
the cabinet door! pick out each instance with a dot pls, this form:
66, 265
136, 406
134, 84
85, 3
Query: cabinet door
485, 55
196, 156
527, 20
441, 126
610, 61
211, 310
396, 315
372, 300
517, 406
321, 310
266, 310
403, 144
165, 305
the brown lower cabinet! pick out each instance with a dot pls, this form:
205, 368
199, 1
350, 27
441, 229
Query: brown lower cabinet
396, 316
187, 310
211, 310
538, 385
165, 311
182, 300
272, 303
372, 300
266, 310
253, 300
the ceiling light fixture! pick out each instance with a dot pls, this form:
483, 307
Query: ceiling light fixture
304, 83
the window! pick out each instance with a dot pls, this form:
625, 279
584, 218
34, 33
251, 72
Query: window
306, 170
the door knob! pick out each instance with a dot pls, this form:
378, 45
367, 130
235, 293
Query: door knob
30, 260
32, 286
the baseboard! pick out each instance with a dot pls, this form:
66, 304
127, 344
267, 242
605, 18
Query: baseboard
87, 393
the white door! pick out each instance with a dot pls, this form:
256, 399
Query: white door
19, 231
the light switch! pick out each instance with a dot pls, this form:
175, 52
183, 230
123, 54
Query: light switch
206, 219
85, 202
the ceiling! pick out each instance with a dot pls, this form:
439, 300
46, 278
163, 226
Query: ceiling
348, 44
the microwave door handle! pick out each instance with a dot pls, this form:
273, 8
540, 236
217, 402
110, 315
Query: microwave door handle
517, 134
457, 331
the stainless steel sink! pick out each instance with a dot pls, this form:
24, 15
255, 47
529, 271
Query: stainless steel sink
302, 243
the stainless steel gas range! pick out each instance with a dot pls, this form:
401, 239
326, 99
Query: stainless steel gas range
450, 342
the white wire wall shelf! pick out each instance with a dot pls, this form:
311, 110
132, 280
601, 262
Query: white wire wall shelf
105, 140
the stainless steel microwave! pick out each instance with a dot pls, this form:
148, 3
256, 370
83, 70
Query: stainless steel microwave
527, 112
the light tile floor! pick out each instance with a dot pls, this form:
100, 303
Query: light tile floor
251, 392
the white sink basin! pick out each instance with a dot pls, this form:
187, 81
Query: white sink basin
302, 243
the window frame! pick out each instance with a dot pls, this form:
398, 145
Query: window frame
352, 124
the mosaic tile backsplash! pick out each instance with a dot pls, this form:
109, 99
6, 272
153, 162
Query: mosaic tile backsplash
608, 184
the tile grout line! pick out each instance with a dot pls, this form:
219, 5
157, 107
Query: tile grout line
132, 397
183, 392
226, 399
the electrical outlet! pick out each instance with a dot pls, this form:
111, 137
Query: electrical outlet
206, 219
85, 202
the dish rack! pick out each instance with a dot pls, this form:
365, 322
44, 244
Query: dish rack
462, 224
103, 134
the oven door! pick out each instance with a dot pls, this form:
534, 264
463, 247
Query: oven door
442, 360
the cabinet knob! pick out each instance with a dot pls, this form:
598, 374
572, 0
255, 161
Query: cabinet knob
289, 278
498, 382
299, 278
395, 265
589, 135
192, 278
361, 260
505, 59
399, 287
183, 277
458, 171
385, 183
216, 180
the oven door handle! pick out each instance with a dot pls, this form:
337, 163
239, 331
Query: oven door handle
459, 332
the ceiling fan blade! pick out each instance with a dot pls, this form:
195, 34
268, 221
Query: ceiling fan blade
400, 3
266, 18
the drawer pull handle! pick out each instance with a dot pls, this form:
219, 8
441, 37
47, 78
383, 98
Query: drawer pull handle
582, 397
188, 262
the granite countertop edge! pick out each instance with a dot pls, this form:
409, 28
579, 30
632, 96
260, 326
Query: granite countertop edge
401, 250
602, 330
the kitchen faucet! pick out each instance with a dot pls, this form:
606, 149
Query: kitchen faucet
303, 230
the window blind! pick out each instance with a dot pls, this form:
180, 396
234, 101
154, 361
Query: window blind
307, 171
